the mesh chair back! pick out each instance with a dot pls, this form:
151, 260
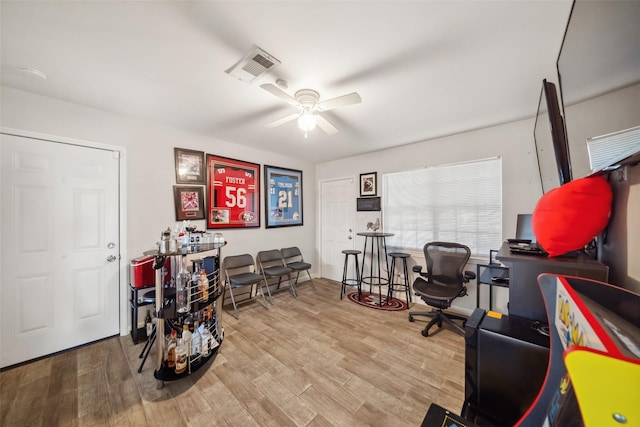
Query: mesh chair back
446, 261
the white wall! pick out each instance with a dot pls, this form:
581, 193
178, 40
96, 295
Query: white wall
151, 171
521, 187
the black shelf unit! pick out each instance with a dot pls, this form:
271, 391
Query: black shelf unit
134, 303
485, 276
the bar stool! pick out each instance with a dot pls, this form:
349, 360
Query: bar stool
346, 281
399, 286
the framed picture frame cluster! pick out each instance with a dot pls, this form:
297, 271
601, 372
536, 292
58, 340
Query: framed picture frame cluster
225, 192
189, 199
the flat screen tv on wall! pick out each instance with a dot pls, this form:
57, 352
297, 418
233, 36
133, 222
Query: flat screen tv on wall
552, 151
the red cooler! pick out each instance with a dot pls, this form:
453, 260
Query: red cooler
142, 273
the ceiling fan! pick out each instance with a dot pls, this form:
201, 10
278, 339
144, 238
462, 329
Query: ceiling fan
307, 101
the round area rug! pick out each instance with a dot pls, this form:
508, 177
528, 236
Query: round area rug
373, 301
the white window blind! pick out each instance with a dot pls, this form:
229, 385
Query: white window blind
452, 203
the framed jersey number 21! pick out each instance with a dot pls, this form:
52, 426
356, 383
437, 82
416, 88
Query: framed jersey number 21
283, 196
233, 188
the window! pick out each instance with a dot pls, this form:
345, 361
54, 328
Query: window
453, 203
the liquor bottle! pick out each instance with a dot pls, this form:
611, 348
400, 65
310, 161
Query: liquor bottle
148, 323
186, 337
182, 356
206, 337
203, 285
196, 341
183, 294
171, 349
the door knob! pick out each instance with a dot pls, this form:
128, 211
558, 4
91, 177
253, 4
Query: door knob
350, 238
111, 258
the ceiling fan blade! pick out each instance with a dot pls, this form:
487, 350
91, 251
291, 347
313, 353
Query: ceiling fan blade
325, 125
341, 101
275, 90
283, 120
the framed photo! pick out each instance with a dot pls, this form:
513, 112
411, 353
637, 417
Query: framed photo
233, 193
189, 202
283, 196
189, 166
368, 184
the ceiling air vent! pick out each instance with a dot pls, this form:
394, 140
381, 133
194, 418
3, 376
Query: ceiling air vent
253, 65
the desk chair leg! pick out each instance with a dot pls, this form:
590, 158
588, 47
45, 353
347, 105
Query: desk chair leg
439, 317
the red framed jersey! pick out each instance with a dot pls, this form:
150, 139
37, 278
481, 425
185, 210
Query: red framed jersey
233, 193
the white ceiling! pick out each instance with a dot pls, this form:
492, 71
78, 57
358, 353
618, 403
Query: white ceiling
423, 68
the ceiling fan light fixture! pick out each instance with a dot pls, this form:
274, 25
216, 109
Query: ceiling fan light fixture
307, 122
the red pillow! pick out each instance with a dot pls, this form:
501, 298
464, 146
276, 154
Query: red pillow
566, 218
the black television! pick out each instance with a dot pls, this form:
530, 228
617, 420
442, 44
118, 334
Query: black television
549, 134
599, 75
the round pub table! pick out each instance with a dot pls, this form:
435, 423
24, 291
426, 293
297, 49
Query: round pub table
375, 246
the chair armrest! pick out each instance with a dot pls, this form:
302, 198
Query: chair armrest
418, 269
469, 275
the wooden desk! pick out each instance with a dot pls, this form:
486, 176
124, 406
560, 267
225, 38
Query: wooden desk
525, 299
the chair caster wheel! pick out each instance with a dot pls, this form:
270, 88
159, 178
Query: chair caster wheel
410, 318
425, 333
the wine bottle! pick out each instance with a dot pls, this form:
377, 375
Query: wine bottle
148, 323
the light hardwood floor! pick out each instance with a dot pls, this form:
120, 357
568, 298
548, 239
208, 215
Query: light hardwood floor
311, 361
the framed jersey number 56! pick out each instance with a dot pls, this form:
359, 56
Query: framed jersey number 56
283, 196
233, 188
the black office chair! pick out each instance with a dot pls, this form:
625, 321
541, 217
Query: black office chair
442, 283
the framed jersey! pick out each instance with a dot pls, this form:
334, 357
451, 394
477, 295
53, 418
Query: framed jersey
283, 196
233, 188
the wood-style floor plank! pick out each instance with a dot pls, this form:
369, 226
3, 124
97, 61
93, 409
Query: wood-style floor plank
312, 361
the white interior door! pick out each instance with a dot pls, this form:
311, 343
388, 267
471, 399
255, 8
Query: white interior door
338, 200
60, 247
